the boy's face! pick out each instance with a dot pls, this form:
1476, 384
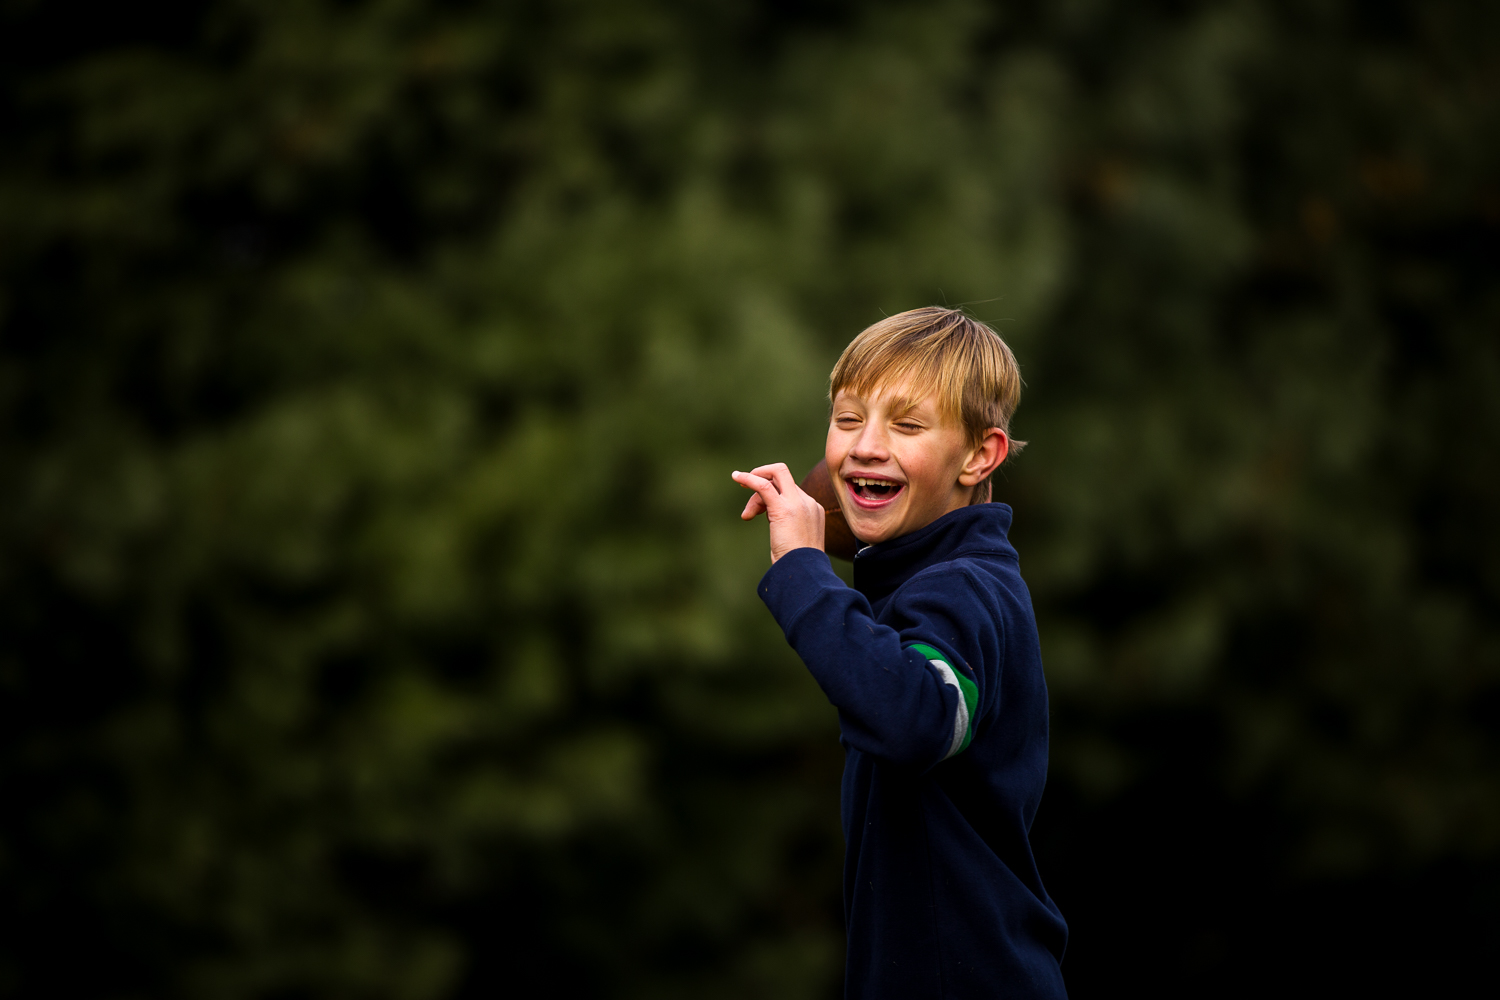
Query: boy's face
899, 469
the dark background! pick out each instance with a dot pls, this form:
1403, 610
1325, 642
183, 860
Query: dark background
374, 616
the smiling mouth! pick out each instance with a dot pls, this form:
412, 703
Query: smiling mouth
869, 492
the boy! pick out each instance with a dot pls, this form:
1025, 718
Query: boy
932, 661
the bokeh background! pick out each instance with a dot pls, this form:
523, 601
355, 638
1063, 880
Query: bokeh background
375, 620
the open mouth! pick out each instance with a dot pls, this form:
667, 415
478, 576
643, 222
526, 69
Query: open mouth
868, 492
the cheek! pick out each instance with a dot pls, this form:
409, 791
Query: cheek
926, 469
834, 452
840, 439
921, 474
913, 458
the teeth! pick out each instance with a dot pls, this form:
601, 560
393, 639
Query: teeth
864, 481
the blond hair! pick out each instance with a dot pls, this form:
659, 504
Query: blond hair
943, 351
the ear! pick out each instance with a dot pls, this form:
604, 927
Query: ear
985, 459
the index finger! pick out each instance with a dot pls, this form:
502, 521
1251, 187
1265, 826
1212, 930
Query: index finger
765, 492
777, 473
763, 487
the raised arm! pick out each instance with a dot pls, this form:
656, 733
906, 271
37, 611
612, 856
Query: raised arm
909, 694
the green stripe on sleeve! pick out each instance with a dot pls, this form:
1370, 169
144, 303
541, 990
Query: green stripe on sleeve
968, 692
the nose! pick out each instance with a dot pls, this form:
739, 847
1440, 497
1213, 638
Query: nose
872, 444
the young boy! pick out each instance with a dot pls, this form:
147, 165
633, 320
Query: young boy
932, 661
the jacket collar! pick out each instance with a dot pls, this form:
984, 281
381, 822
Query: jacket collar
880, 569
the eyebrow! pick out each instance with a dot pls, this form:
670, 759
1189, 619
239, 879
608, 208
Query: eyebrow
900, 407
904, 408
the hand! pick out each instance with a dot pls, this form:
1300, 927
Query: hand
796, 518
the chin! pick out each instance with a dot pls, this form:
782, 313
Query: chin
873, 534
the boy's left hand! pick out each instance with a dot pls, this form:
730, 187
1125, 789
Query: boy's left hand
796, 518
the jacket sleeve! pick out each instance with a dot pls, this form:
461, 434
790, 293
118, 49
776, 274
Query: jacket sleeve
908, 694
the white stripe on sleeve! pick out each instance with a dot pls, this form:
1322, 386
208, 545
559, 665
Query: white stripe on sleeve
961, 717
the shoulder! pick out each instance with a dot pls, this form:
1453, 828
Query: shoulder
981, 593
975, 576
962, 594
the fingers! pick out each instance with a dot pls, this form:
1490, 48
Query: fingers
765, 493
771, 483
797, 520
778, 473
764, 480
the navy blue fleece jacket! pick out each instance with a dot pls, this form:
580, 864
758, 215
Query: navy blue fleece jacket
933, 662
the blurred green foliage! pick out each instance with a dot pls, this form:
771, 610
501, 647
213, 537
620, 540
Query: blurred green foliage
376, 618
